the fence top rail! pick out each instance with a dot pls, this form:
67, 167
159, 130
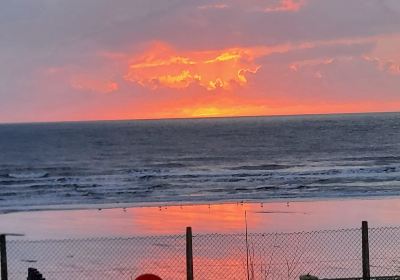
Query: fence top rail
11, 234
177, 236
198, 235
279, 233
100, 238
385, 228
360, 278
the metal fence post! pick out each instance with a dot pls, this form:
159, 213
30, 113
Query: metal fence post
365, 251
189, 253
3, 257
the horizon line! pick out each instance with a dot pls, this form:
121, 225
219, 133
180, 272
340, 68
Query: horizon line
200, 117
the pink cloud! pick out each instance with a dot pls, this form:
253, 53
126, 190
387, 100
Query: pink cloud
84, 83
286, 6
296, 66
217, 6
388, 66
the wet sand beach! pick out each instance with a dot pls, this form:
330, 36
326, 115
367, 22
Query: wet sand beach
117, 221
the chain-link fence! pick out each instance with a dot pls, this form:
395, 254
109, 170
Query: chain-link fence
328, 254
384, 246
273, 256
99, 258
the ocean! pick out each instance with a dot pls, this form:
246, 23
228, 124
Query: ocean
198, 160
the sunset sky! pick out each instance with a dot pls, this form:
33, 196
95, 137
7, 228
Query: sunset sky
138, 59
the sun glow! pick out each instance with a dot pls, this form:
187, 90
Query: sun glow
220, 110
210, 111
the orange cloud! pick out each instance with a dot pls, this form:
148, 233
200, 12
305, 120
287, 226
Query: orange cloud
286, 6
162, 66
95, 85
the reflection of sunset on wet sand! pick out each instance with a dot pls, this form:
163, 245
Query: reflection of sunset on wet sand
213, 218
151, 239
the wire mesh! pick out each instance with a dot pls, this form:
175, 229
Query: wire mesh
99, 258
328, 254
384, 251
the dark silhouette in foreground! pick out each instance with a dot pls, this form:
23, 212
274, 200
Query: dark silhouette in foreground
148, 277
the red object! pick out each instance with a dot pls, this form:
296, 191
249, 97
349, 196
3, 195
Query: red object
148, 277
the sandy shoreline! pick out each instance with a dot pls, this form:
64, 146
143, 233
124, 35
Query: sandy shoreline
103, 206
228, 217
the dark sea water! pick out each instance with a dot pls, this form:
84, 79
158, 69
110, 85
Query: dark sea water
178, 161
